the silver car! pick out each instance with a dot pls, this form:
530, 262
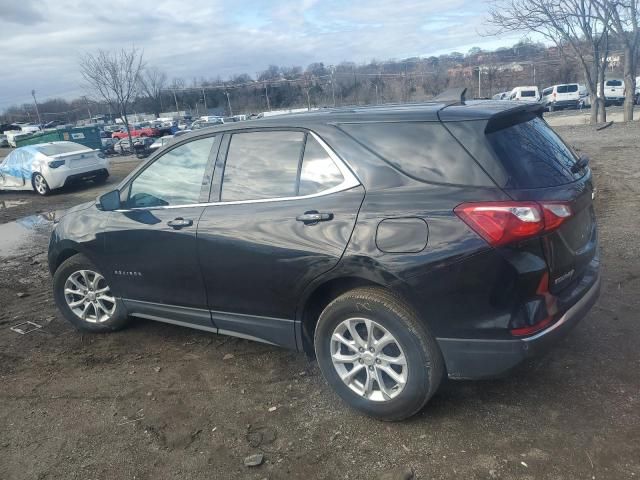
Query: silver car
47, 166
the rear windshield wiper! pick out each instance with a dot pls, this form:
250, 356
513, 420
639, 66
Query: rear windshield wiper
581, 163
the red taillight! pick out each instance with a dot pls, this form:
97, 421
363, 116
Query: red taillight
500, 223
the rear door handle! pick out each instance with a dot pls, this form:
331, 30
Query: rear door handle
178, 223
313, 217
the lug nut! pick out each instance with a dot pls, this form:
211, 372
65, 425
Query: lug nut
371, 350
360, 360
378, 361
371, 367
361, 349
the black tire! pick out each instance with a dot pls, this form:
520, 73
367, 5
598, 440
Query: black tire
40, 185
100, 179
424, 359
71, 265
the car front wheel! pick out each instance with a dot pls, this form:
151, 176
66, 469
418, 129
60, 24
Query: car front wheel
84, 298
377, 355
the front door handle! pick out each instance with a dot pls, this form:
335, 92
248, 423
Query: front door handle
178, 223
313, 217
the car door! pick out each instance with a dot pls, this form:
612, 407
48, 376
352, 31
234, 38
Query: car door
12, 170
151, 240
286, 207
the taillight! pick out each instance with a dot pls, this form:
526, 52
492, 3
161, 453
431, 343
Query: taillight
501, 223
551, 308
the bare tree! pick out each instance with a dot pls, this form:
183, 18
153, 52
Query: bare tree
152, 83
114, 77
574, 25
625, 20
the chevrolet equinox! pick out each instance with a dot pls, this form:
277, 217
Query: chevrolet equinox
400, 244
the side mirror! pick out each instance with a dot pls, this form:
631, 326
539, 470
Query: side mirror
109, 201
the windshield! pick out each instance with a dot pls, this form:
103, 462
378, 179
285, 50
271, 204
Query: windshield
52, 149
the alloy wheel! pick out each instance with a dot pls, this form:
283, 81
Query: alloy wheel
89, 297
40, 184
369, 359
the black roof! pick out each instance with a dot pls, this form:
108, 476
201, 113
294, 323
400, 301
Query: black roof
425, 112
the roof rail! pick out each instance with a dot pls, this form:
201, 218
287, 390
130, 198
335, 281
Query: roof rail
451, 96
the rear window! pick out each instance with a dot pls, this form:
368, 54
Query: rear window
60, 148
614, 83
547, 91
532, 155
528, 93
425, 151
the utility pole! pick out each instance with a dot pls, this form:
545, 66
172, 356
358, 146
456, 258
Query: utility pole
333, 81
229, 103
377, 98
88, 109
175, 99
479, 81
33, 93
266, 94
204, 97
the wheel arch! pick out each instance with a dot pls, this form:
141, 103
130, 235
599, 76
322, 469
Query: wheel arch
326, 289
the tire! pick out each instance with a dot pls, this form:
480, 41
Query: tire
40, 184
101, 179
115, 320
424, 368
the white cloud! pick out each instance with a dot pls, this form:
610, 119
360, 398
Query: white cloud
42, 41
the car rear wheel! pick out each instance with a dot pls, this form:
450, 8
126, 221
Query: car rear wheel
40, 185
377, 355
85, 299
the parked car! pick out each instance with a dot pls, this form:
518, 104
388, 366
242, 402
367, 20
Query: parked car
46, 166
525, 94
3, 140
558, 97
21, 130
400, 244
138, 132
613, 91
198, 124
501, 96
161, 142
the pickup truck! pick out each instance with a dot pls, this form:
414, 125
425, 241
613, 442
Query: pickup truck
137, 132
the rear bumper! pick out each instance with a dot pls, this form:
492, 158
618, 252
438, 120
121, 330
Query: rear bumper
475, 359
563, 104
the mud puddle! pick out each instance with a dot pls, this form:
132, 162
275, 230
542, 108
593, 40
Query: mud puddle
20, 235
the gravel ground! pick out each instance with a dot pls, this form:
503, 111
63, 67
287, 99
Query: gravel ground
159, 401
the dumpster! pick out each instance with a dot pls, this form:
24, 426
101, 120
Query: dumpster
87, 136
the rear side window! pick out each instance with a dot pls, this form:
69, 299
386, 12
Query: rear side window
262, 165
572, 88
318, 172
562, 89
425, 151
532, 155
528, 93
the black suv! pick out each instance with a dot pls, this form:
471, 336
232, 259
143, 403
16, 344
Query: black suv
399, 243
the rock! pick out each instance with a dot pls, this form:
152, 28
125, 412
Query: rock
254, 460
228, 356
157, 369
273, 409
22, 294
404, 473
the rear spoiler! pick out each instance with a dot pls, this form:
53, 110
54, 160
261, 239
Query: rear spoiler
513, 116
451, 96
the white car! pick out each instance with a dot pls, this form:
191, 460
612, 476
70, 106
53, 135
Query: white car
160, 142
556, 97
525, 94
501, 96
47, 166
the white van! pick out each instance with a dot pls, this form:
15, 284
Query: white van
613, 91
525, 94
566, 95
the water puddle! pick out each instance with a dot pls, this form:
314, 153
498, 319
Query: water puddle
5, 204
20, 236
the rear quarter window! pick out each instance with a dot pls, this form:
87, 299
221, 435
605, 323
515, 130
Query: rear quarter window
528, 93
424, 151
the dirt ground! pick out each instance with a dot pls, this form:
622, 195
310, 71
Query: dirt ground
156, 401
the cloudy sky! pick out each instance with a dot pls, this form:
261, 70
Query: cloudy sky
43, 40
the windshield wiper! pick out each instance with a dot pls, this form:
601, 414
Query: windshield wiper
581, 163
